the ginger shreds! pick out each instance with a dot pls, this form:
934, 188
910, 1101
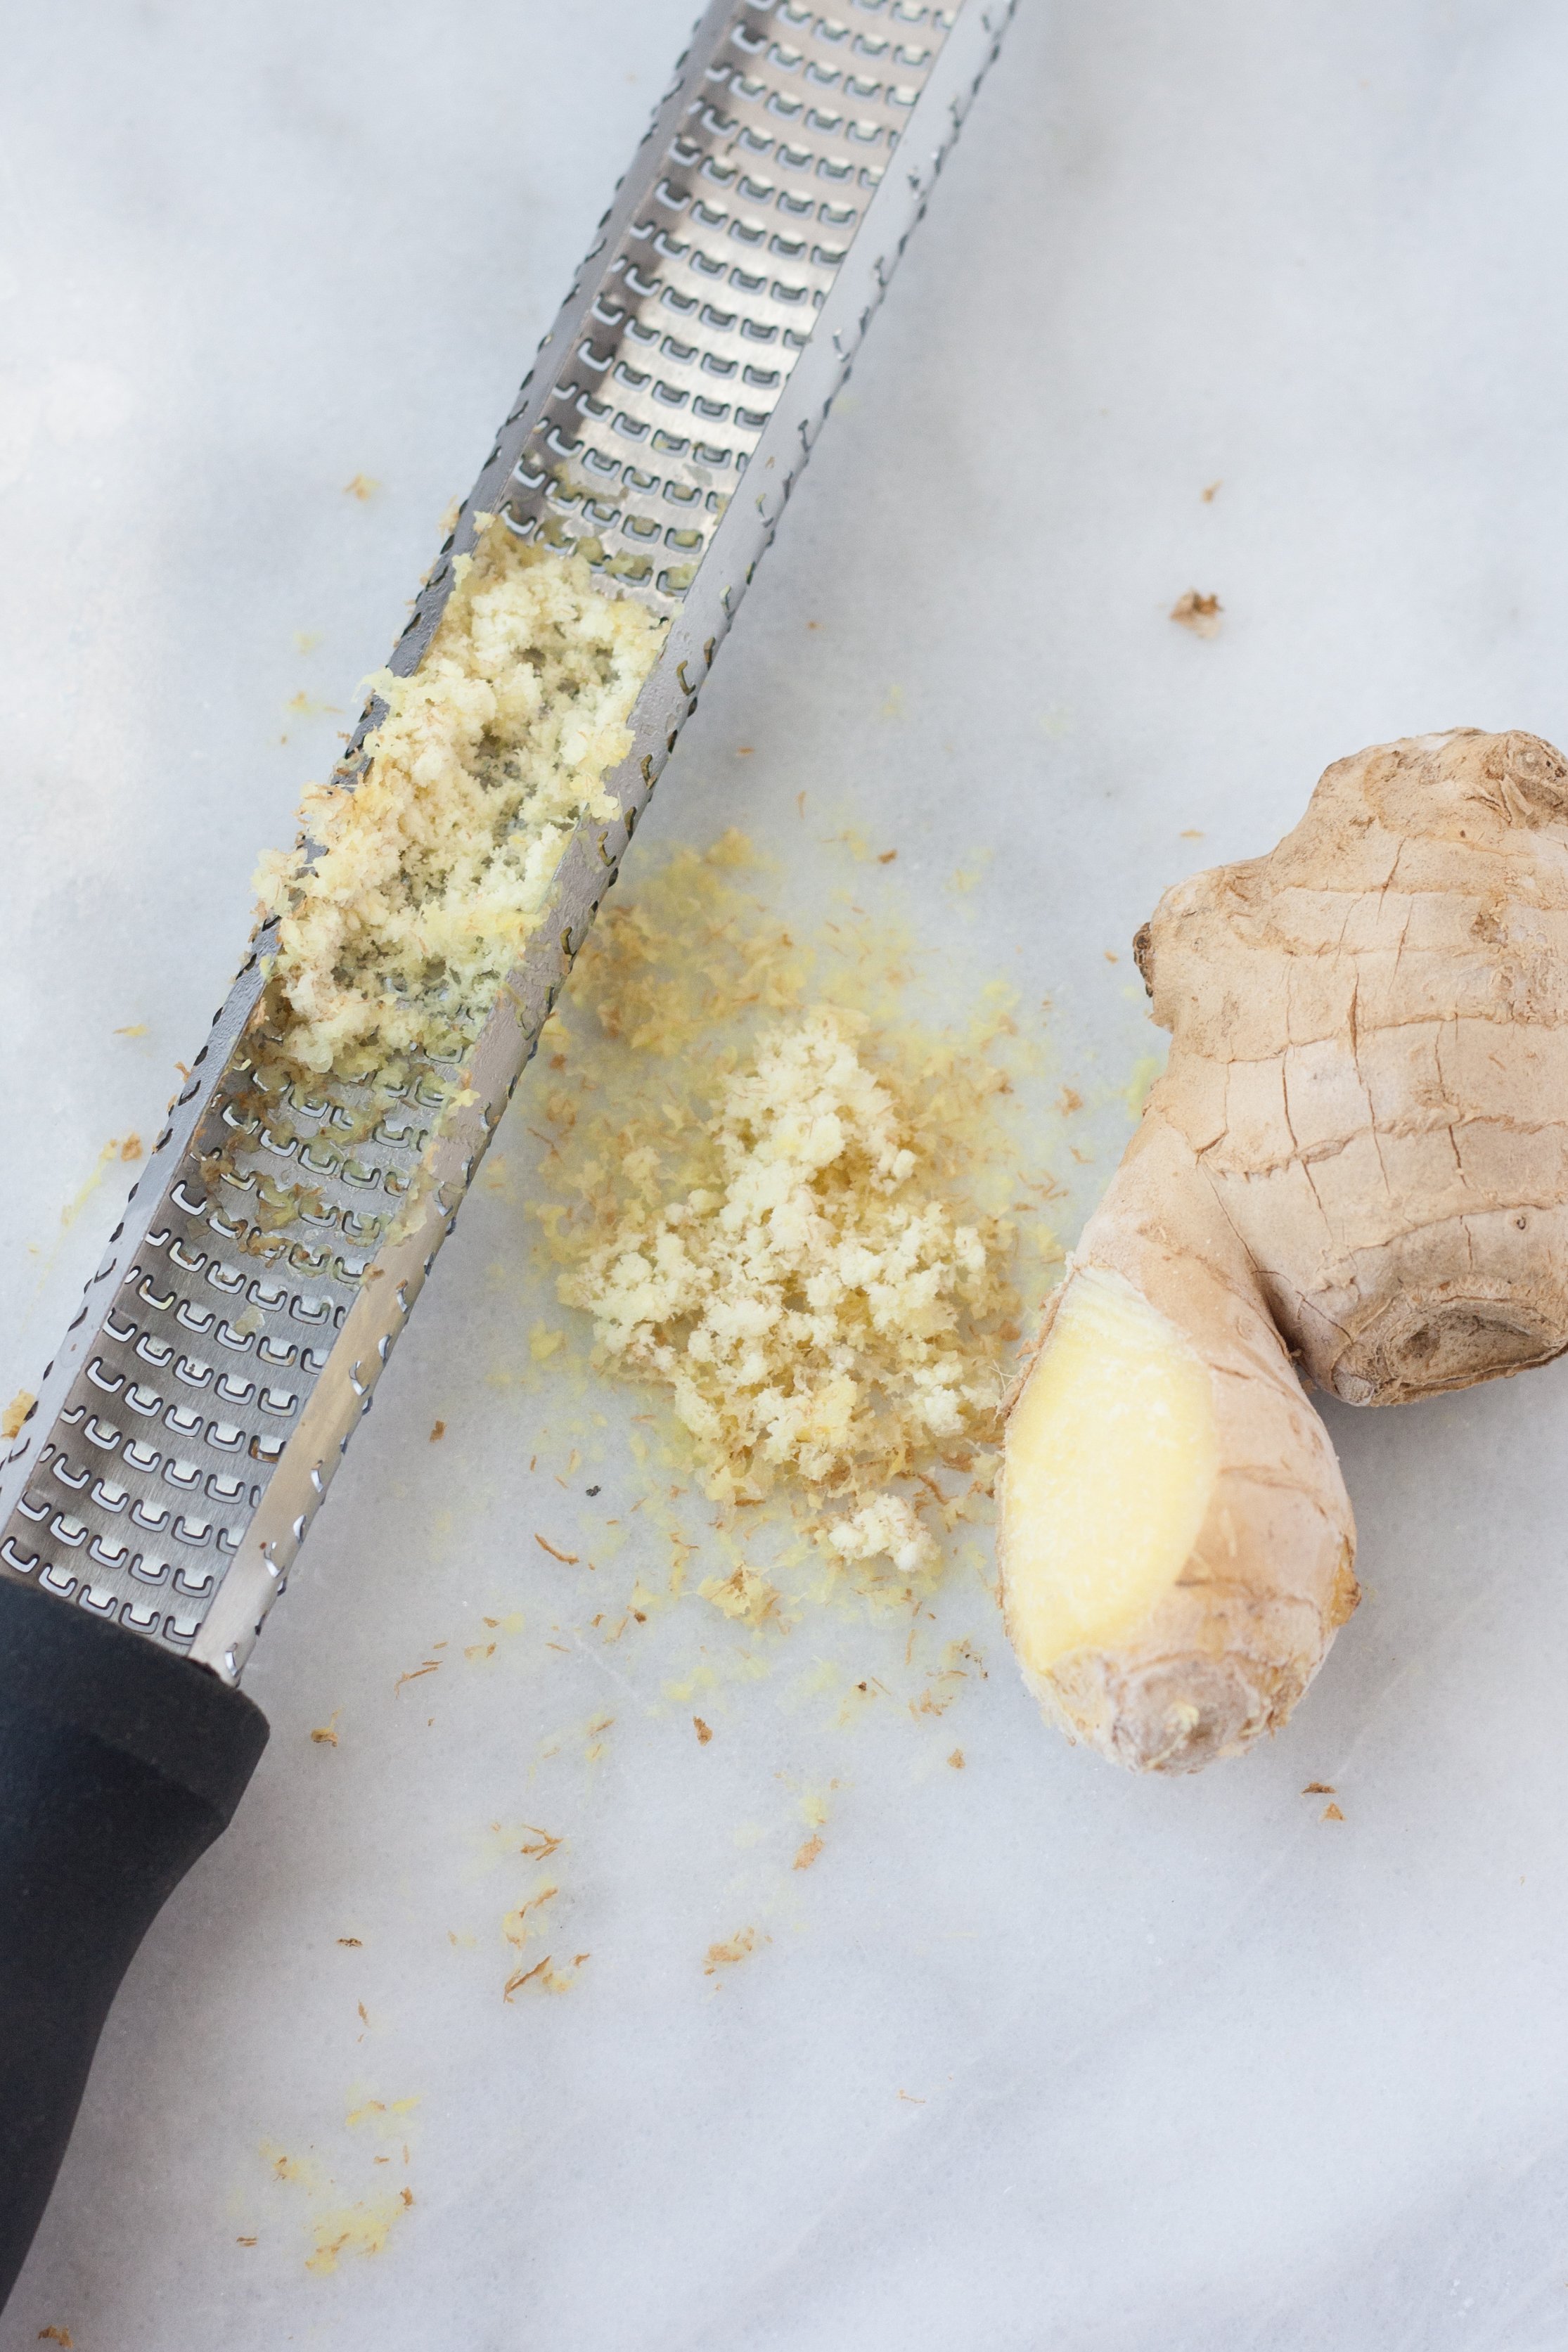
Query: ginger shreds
689, 947
415, 887
788, 1213
747, 1597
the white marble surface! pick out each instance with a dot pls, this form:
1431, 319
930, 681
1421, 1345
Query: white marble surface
1180, 2064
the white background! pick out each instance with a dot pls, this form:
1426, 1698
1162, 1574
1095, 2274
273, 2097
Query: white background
1182, 2064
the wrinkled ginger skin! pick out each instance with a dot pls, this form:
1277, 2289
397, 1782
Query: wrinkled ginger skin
1369, 1060
1226, 1653
1356, 1165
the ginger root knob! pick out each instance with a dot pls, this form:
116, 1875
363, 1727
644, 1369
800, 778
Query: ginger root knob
1355, 1164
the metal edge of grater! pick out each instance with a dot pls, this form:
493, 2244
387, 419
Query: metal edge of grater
186, 1433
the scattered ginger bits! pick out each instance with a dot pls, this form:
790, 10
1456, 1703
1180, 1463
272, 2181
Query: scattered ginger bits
745, 1596
813, 1305
1111, 1459
419, 878
655, 966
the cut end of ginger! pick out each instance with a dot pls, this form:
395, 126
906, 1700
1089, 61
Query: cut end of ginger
1112, 1457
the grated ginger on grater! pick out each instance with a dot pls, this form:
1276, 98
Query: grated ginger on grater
418, 879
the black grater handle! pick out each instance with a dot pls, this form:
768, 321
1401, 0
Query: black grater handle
120, 1763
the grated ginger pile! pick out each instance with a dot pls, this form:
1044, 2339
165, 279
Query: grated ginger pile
806, 1305
415, 888
765, 1227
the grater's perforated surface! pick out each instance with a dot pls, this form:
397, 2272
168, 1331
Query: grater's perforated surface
274, 1247
714, 291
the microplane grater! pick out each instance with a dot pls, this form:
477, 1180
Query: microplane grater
187, 1429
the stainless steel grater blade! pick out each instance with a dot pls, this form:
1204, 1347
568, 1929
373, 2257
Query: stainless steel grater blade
187, 1430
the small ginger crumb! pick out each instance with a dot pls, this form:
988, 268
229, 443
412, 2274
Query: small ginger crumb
438, 1432
325, 1733
568, 1559
887, 857
703, 1730
1192, 833
1200, 613
1318, 1789
16, 1412
537, 1975
354, 1943
430, 1666
245, 2241
745, 1596
362, 487
56, 2336
1208, 496
730, 1955
957, 1759
1112, 956
1332, 1813
808, 1853
134, 1029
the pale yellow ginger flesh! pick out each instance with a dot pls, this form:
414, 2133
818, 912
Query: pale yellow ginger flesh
815, 1309
417, 884
1111, 1459
1356, 1165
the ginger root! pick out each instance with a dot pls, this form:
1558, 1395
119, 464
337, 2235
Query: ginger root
1354, 1170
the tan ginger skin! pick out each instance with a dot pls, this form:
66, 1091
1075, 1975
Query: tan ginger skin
1355, 1166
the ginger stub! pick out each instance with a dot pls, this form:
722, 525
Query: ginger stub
1354, 1170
